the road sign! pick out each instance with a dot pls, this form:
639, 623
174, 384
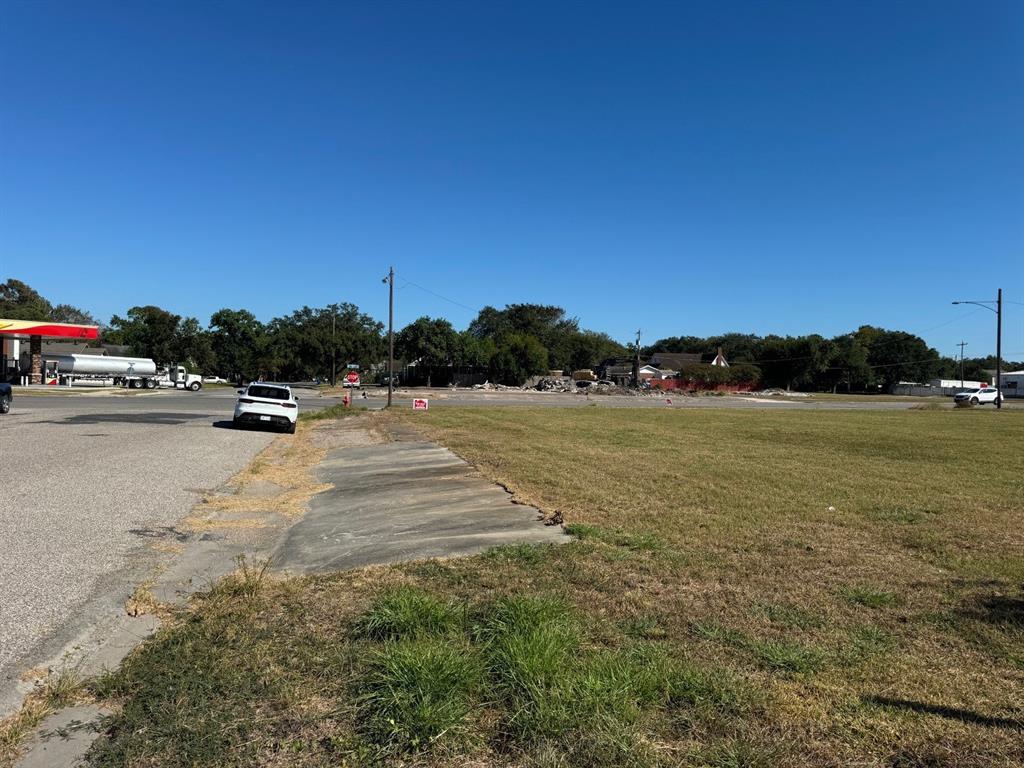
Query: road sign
352, 377
353, 366
420, 404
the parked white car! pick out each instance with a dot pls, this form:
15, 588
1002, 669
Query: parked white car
978, 396
214, 380
265, 403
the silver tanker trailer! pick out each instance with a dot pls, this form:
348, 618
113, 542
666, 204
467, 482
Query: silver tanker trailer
131, 372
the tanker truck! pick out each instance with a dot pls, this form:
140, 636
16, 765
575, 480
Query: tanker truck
130, 372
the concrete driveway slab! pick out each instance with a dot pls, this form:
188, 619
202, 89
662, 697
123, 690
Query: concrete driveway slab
406, 500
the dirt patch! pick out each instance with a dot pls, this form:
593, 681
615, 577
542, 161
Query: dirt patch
281, 480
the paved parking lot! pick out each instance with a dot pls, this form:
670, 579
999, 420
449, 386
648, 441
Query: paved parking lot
87, 485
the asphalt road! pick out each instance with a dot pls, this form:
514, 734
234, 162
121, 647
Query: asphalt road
87, 484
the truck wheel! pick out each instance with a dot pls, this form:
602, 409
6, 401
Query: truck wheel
195, 386
5, 405
134, 384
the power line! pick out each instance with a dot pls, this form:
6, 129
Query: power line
438, 295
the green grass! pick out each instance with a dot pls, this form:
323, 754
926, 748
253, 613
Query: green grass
867, 596
408, 613
711, 610
417, 693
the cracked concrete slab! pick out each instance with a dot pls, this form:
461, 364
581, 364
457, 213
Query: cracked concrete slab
409, 499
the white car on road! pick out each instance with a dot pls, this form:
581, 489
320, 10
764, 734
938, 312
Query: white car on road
265, 403
978, 396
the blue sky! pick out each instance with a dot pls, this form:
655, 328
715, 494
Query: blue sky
684, 168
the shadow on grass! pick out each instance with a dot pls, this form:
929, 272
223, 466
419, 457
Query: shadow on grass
952, 713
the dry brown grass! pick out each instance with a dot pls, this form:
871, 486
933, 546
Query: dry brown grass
285, 467
885, 631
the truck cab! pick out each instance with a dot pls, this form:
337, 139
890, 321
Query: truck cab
177, 377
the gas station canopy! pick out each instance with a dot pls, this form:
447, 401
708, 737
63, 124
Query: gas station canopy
25, 329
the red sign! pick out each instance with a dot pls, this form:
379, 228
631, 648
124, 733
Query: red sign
420, 404
352, 377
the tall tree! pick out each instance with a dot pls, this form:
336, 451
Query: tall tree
19, 301
149, 332
65, 313
519, 356
236, 337
429, 343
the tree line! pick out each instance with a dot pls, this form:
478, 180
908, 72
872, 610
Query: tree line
864, 360
509, 345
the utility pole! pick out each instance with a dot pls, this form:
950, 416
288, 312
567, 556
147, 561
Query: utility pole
390, 280
999, 349
962, 344
334, 364
636, 362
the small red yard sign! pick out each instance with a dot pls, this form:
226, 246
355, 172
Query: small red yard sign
420, 404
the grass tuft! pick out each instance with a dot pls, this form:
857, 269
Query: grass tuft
418, 693
867, 596
405, 613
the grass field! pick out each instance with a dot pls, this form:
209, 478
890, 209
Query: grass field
746, 588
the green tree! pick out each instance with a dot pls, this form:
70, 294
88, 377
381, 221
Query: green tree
19, 301
149, 332
896, 356
474, 352
193, 346
588, 348
65, 313
428, 343
236, 340
519, 356
548, 325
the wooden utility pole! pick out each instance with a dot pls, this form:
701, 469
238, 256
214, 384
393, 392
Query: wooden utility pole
636, 362
391, 334
999, 349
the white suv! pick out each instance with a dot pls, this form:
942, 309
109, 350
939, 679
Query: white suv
264, 402
978, 396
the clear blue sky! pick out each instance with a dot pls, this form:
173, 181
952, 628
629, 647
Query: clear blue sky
685, 168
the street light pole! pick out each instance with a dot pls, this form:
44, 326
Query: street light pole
999, 339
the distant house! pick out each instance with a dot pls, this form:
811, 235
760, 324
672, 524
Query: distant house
675, 361
651, 372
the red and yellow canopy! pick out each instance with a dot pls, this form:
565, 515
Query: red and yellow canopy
23, 329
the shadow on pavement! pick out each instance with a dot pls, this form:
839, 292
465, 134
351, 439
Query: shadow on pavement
129, 418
